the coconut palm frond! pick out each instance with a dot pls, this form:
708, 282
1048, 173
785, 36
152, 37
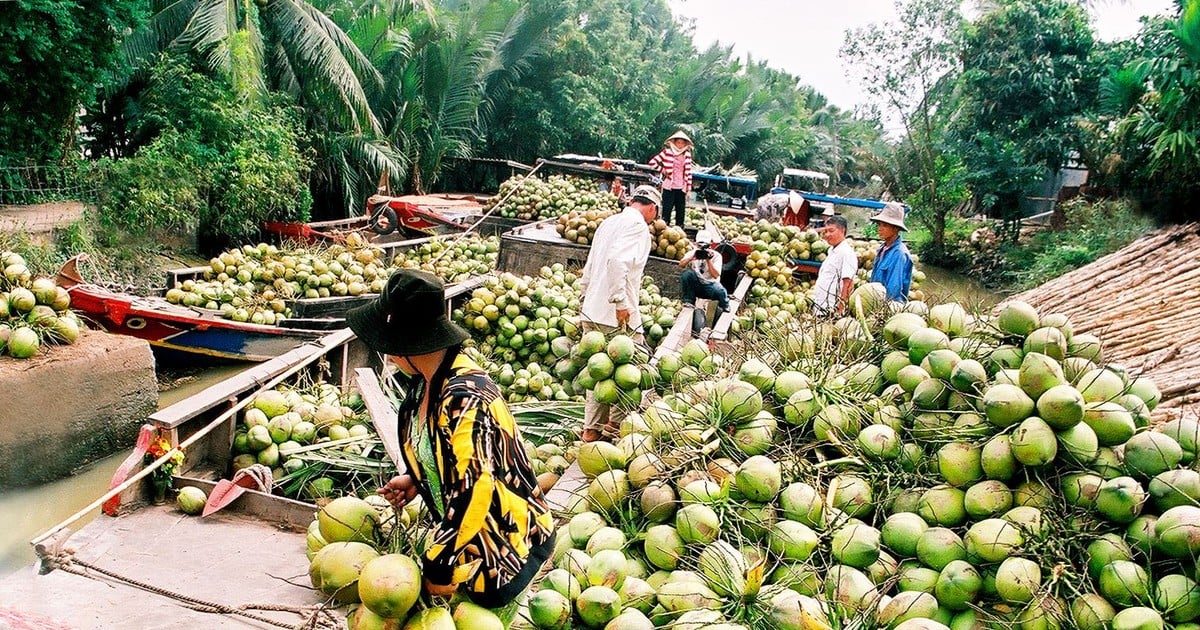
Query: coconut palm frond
326, 67
157, 34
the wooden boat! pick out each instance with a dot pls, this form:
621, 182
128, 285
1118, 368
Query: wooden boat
418, 215
176, 331
140, 565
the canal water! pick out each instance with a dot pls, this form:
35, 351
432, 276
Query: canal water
31, 511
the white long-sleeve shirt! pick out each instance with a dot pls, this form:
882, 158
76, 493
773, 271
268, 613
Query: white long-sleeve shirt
612, 276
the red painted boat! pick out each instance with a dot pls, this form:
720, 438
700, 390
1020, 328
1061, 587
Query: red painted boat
174, 331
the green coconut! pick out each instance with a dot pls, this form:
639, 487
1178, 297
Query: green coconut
849, 589
697, 523
1149, 453
759, 478
852, 495
879, 442
1078, 444
856, 545
1018, 580
663, 546
1039, 373
1061, 407
1179, 596
900, 327
1140, 533
907, 605
607, 568
911, 576
931, 394
958, 585
724, 569
598, 457
939, 546
608, 490
802, 406
597, 605
959, 463
802, 503
969, 376
1034, 443
923, 341
791, 540
901, 532
637, 594
1138, 618
1101, 385
1112, 423
389, 585
837, 421
1186, 432
1105, 550
892, 363
994, 540
1017, 318
1175, 487
348, 519
997, 458
1120, 500
943, 505
1091, 611
1177, 532
549, 610
1081, 489
335, 569
987, 499
1124, 583
910, 376
1006, 405
1048, 341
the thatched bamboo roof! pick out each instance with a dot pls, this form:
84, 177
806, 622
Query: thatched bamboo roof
1143, 302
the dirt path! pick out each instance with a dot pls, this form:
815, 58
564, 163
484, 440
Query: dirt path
40, 218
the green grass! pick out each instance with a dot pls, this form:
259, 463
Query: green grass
1091, 230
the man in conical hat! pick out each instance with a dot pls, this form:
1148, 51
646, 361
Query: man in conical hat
674, 165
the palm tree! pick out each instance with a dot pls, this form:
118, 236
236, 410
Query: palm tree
288, 46
444, 73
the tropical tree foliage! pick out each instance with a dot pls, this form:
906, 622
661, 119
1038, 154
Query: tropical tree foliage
1146, 140
54, 52
1027, 78
910, 67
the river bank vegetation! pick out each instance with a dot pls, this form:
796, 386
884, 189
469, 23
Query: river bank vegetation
209, 117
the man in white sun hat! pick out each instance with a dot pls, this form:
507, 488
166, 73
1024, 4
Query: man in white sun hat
893, 264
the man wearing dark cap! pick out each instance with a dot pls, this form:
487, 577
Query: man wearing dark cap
462, 450
612, 280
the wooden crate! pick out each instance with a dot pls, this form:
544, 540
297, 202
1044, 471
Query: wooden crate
525, 250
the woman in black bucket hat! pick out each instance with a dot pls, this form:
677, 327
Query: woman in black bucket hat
462, 450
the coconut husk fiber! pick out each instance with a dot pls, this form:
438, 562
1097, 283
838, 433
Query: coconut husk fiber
1143, 302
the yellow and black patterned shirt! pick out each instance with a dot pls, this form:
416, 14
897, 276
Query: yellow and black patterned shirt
494, 529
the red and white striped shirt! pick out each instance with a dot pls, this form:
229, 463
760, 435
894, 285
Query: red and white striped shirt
674, 178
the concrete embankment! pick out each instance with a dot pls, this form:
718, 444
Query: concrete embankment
72, 405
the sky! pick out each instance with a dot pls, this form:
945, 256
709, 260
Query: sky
803, 36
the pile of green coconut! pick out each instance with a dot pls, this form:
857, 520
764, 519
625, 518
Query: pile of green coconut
34, 311
911, 467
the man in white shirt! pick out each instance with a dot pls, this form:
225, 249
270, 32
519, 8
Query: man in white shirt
612, 279
835, 279
702, 278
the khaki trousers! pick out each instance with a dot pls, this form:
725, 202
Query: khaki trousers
597, 415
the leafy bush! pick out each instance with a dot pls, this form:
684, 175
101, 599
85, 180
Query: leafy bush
1091, 230
218, 162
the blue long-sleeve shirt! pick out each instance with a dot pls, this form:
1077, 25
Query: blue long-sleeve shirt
893, 269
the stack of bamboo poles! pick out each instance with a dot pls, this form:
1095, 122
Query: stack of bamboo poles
1143, 302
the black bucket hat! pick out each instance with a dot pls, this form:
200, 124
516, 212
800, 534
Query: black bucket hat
408, 318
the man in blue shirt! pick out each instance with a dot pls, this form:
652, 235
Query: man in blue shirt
893, 264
